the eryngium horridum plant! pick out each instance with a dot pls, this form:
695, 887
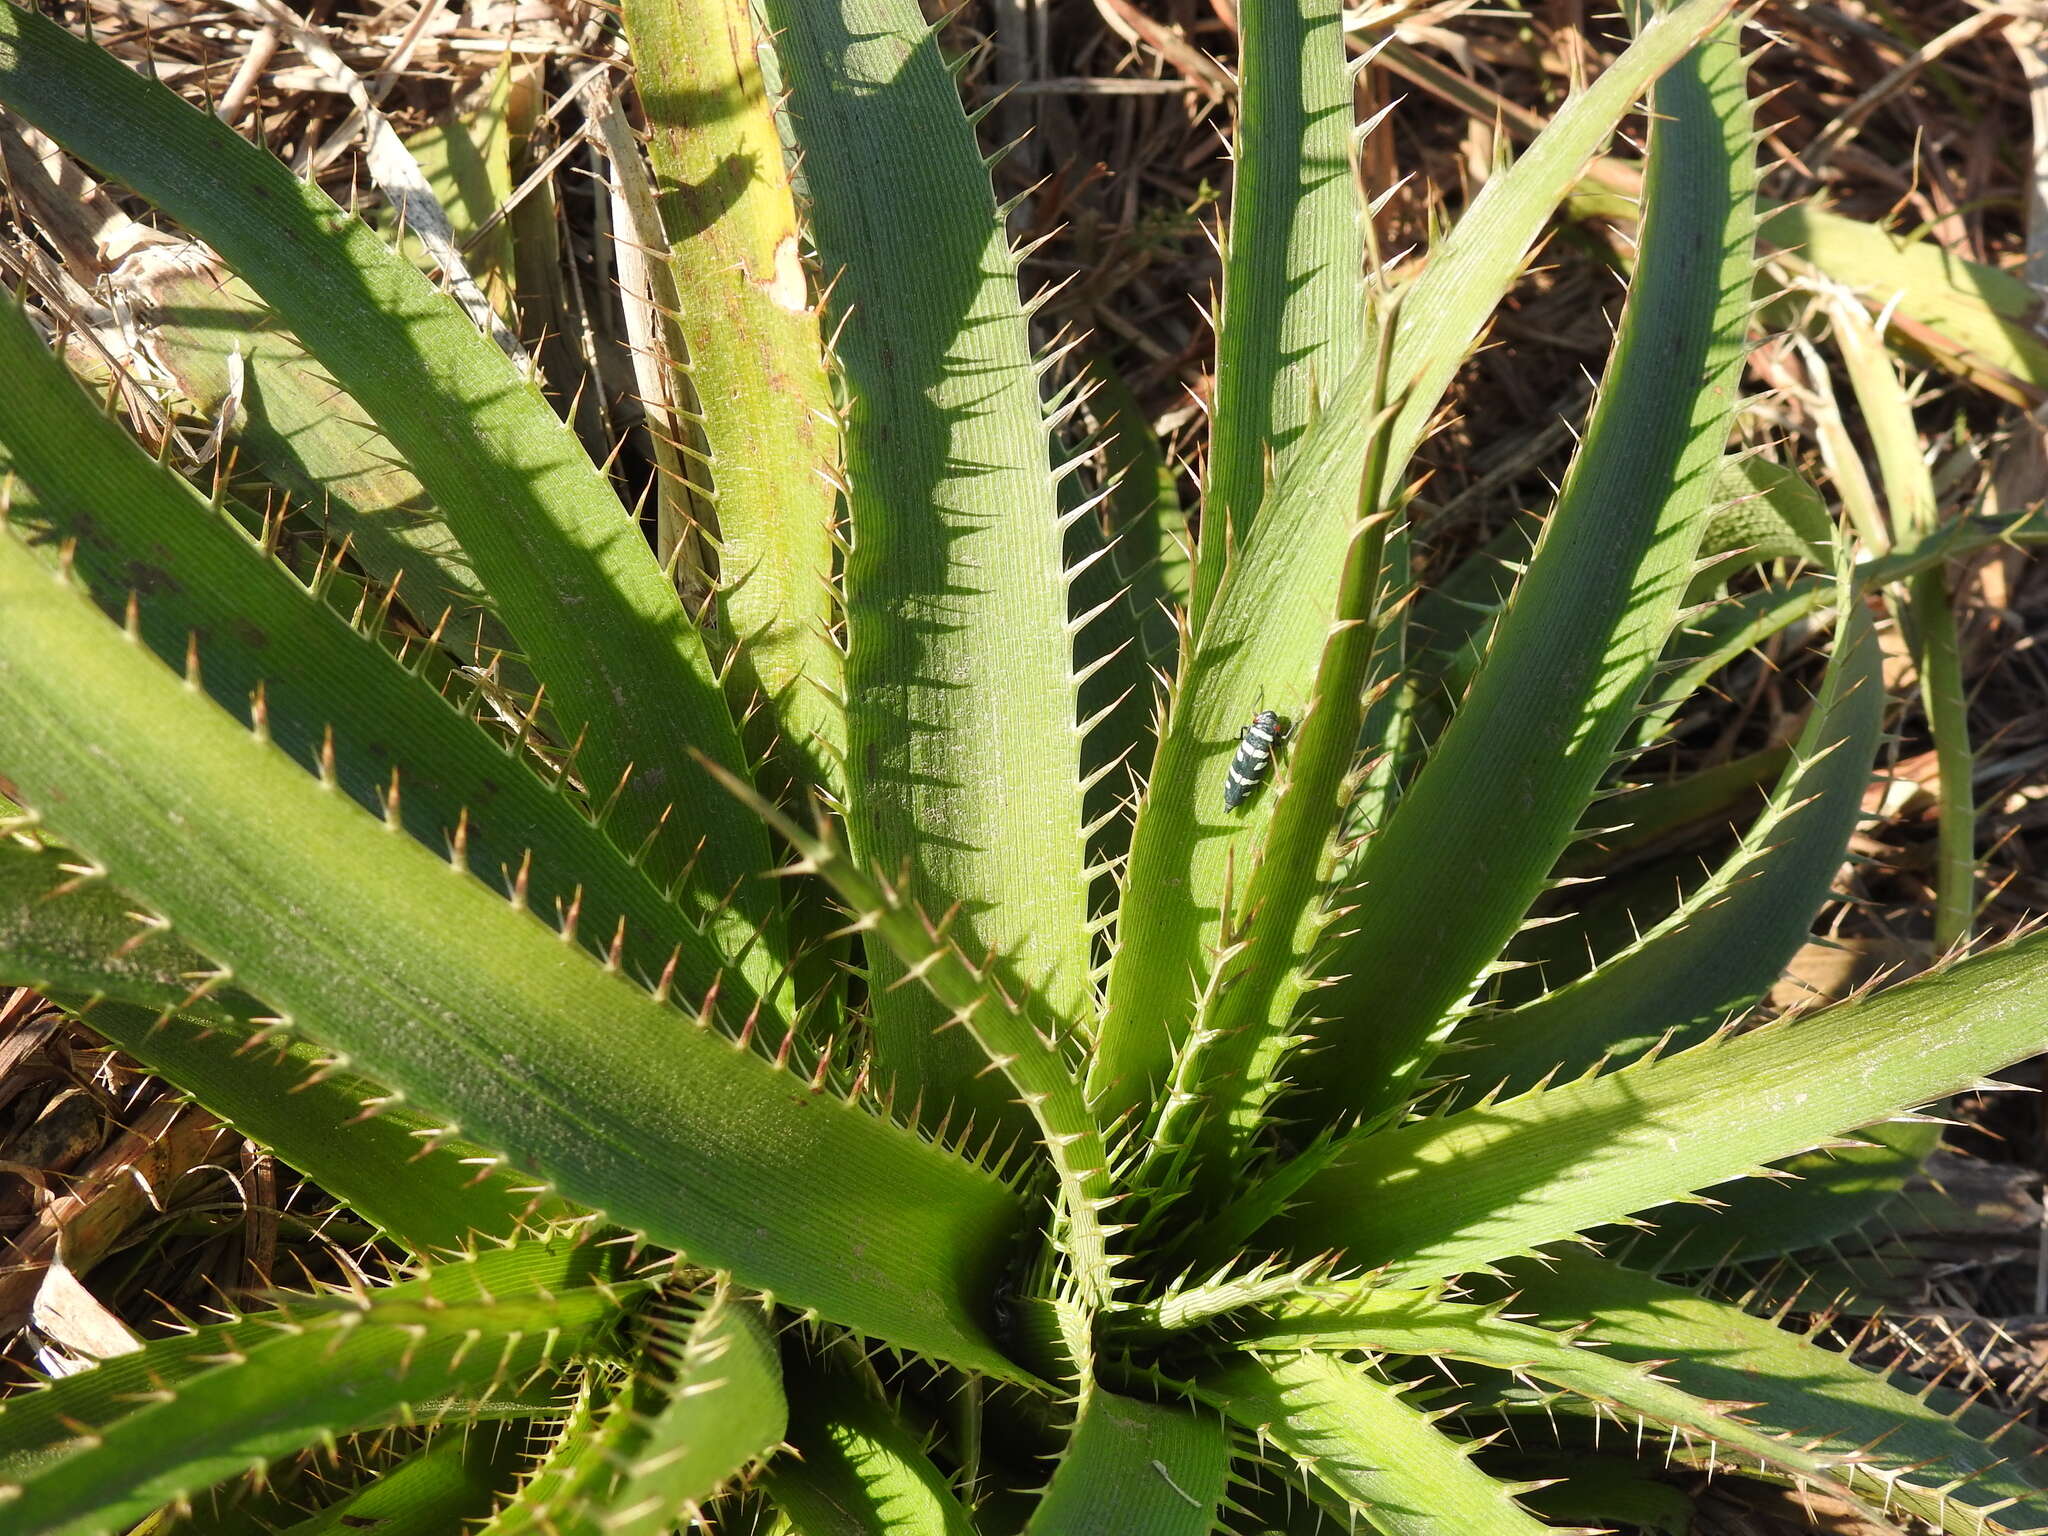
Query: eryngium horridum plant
1028, 1157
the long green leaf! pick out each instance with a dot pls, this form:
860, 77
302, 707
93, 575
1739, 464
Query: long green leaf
1147, 1469
1383, 1321
1950, 1468
81, 949
1350, 1431
332, 698
575, 1462
1972, 318
858, 1469
754, 358
965, 757
1821, 1198
719, 1411
34, 1424
1293, 318
571, 575
1444, 885
1729, 940
1015, 1037
1444, 1196
427, 981
1930, 622
1242, 1030
705, 1403
1254, 652
449, 1486
296, 429
237, 1395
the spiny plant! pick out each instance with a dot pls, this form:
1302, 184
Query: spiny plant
1030, 1156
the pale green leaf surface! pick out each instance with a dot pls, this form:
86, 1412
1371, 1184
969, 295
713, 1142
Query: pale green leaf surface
1442, 1196
962, 737
1293, 320
1242, 1030
424, 980
75, 475
297, 430
76, 949
1145, 1469
1350, 1431
754, 360
1985, 315
1443, 887
1253, 653
670, 1442
572, 577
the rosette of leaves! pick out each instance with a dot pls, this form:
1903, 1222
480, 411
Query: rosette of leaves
1029, 1155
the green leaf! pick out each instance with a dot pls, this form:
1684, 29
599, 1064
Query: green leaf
1763, 511
1821, 1198
857, 1469
446, 1487
1479, 830
333, 698
239, 1395
1293, 317
1443, 1196
1242, 1030
1974, 319
575, 1461
1360, 1317
565, 563
391, 1168
754, 361
1929, 621
1149, 1469
1014, 1035
1352, 1432
81, 949
1732, 936
719, 1411
704, 1404
296, 428
425, 980
1254, 652
959, 671
1908, 1453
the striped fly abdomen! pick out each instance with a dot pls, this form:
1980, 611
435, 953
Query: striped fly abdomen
1254, 758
